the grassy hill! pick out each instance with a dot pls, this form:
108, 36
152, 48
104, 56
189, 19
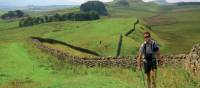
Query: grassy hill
137, 5
8, 25
183, 34
23, 65
1, 12
51, 12
86, 34
36, 8
106, 31
31, 67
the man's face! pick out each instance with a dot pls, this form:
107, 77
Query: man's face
147, 37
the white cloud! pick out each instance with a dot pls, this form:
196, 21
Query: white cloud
183, 0
61, 2
82, 1
44, 2
147, 0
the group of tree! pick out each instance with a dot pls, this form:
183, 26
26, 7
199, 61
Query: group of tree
97, 6
13, 14
75, 16
90, 10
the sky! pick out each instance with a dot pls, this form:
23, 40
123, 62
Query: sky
173, 1
60, 2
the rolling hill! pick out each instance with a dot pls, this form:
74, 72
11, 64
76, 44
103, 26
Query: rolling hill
23, 65
36, 8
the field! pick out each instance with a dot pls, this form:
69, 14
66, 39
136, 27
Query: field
181, 36
31, 67
22, 65
98, 36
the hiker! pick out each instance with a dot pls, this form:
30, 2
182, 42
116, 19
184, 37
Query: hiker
149, 52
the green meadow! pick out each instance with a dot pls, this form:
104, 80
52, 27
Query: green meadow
22, 65
26, 66
182, 35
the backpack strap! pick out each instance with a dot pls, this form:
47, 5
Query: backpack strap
145, 49
152, 47
155, 48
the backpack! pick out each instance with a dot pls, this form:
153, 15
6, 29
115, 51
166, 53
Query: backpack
153, 48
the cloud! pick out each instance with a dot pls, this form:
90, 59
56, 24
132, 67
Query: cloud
81, 1
172, 1
61, 2
44, 2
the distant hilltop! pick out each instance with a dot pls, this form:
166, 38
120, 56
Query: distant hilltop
36, 8
161, 1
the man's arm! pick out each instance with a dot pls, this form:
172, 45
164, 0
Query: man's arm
157, 50
158, 56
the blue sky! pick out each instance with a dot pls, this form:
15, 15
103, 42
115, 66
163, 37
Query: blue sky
57, 2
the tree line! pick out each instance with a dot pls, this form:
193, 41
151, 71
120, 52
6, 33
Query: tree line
75, 16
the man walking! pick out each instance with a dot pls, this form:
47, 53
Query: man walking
149, 52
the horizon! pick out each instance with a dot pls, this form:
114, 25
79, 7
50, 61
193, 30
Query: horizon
11, 3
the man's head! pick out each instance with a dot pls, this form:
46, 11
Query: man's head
147, 36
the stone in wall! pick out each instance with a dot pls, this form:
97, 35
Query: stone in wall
193, 59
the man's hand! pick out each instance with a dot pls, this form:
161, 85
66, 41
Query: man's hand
160, 61
139, 68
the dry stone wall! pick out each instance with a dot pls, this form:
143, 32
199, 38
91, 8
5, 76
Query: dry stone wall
191, 61
125, 62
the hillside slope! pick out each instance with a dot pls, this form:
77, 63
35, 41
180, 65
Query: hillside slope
22, 65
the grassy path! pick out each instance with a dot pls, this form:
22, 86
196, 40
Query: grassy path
20, 68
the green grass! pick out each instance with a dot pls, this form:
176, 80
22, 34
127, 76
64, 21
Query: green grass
181, 36
17, 64
61, 11
89, 34
26, 66
23, 65
176, 77
8, 25
1, 12
124, 12
85, 34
